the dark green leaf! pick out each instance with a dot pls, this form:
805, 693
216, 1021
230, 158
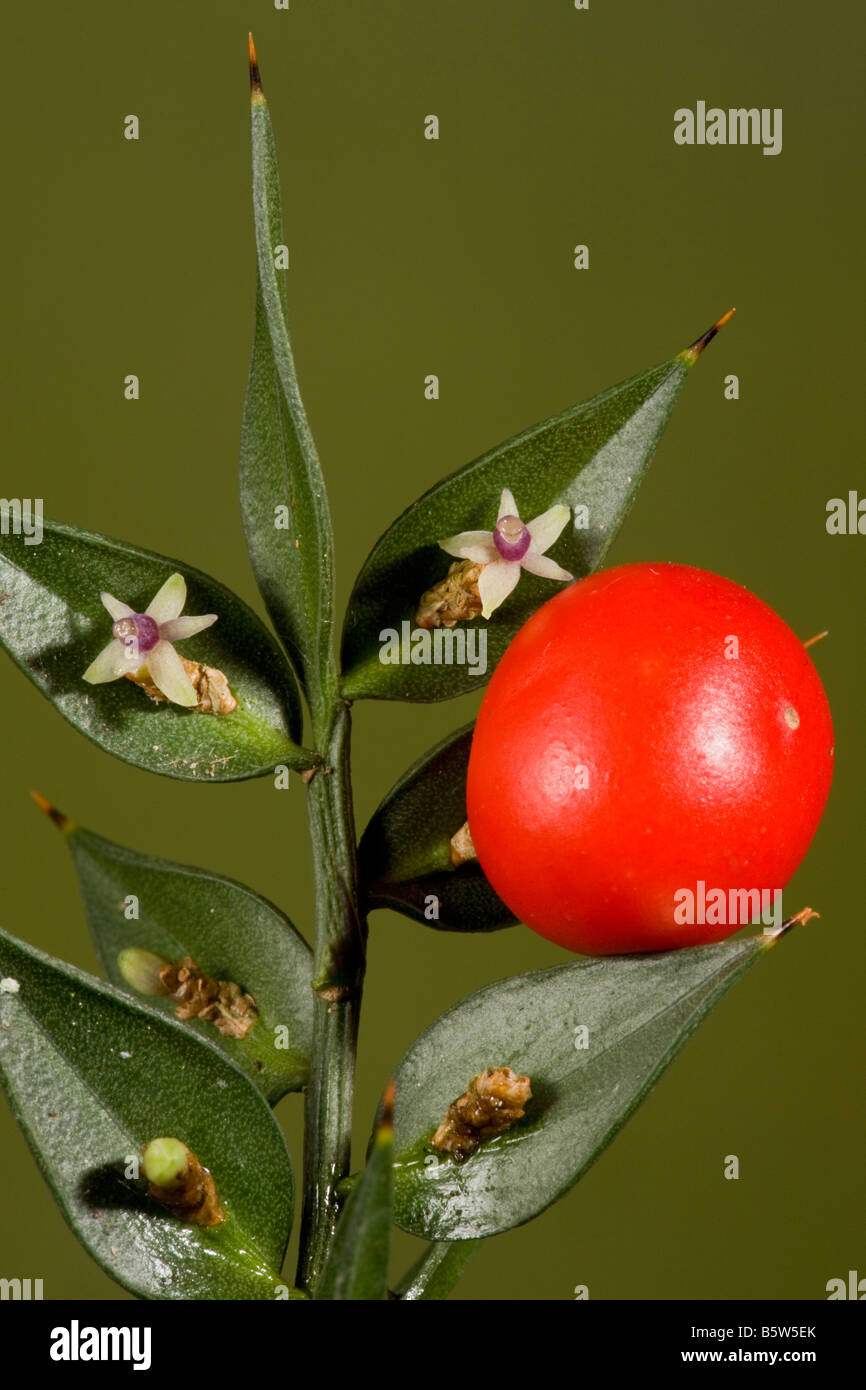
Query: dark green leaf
357, 1263
638, 1010
405, 852
279, 465
53, 624
92, 1078
595, 454
230, 932
435, 1273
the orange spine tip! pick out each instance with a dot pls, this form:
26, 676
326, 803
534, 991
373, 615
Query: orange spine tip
774, 934
810, 641
386, 1116
694, 350
62, 822
255, 75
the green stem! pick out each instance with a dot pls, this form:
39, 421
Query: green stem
436, 1272
338, 980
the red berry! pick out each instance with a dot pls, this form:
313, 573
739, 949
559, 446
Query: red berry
650, 729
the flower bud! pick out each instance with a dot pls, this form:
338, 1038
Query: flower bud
142, 970
164, 1162
178, 1181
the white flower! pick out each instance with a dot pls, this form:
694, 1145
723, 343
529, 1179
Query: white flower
142, 642
508, 548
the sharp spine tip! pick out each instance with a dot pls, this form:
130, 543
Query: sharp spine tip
255, 75
694, 350
774, 934
62, 822
386, 1117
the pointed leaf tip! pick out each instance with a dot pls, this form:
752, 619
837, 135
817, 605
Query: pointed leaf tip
694, 350
255, 75
63, 823
773, 934
385, 1126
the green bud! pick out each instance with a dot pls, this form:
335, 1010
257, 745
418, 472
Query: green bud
140, 969
164, 1161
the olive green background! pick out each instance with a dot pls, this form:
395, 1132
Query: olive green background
410, 257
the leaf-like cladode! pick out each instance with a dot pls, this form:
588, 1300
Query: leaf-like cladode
231, 933
637, 1012
592, 458
92, 1078
285, 506
405, 851
52, 623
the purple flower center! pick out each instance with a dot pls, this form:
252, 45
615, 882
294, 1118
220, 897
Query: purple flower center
511, 538
138, 632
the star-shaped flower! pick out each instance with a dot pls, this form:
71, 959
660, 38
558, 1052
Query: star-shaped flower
142, 642
508, 548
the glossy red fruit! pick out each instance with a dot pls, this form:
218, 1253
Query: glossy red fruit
651, 729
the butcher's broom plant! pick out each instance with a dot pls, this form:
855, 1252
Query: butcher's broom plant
147, 1097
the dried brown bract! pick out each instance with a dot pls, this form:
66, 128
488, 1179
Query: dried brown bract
455, 599
220, 1002
491, 1103
210, 685
462, 848
192, 1195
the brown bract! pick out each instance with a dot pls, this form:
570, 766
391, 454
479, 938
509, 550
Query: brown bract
210, 685
462, 848
220, 1002
491, 1103
455, 599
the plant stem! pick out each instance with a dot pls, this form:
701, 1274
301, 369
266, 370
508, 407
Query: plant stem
338, 975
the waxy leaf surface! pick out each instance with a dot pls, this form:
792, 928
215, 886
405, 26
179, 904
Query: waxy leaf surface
92, 1078
593, 455
405, 851
638, 1012
283, 496
231, 933
52, 623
